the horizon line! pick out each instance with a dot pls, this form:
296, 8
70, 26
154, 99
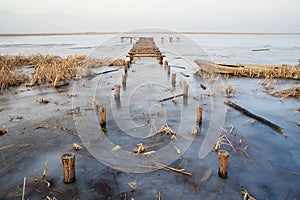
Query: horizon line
119, 32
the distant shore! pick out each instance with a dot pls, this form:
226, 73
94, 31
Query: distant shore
114, 33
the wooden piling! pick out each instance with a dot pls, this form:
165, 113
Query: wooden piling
124, 80
117, 91
161, 59
128, 64
169, 70
130, 58
125, 68
186, 90
199, 115
224, 158
102, 117
68, 161
166, 63
173, 79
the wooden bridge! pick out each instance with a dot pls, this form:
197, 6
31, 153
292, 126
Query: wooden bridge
145, 47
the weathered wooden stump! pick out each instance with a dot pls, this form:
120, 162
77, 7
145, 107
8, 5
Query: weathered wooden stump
166, 63
224, 158
68, 161
124, 80
199, 115
173, 79
102, 117
186, 91
125, 68
117, 91
128, 64
169, 70
161, 58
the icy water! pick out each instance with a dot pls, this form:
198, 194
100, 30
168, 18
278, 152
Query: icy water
281, 49
264, 162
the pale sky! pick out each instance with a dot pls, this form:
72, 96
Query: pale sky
30, 16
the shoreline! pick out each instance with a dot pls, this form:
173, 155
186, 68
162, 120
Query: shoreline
114, 33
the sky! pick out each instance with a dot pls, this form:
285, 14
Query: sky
44, 16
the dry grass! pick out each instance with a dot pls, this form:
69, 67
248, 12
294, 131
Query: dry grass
292, 92
48, 68
251, 70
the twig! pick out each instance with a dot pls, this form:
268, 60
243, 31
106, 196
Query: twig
169, 98
248, 113
159, 195
181, 171
24, 185
7, 146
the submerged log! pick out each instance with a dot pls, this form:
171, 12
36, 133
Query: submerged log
248, 113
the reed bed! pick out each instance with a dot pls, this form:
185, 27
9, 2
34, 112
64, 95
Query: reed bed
53, 69
252, 71
292, 92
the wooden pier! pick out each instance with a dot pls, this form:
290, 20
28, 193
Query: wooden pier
145, 47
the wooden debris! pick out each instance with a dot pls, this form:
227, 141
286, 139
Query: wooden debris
45, 126
166, 130
67, 130
248, 113
223, 140
186, 90
72, 95
12, 118
170, 98
43, 178
77, 147
3, 131
102, 117
159, 195
246, 195
24, 185
229, 91
260, 49
180, 171
133, 186
43, 101
174, 79
140, 148
203, 86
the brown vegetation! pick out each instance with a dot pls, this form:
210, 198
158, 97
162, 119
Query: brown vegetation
48, 68
251, 70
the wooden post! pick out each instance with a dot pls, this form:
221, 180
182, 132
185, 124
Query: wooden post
102, 117
124, 80
199, 115
173, 79
169, 70
125, 68
117, 91
186, 90
68, 161
166, 63
131, 58
161, 59
128, 64
224, 158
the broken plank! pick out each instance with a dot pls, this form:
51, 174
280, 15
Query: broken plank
169, 98
248, 113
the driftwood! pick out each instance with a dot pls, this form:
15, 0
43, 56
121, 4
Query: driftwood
248, 113
180, 171
169, 98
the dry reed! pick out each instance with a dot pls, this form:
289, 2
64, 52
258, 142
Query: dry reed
48, 68
251, 70
292, 92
